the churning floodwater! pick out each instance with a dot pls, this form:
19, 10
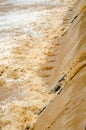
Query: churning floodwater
32, 57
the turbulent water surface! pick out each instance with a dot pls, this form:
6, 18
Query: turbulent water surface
30, 56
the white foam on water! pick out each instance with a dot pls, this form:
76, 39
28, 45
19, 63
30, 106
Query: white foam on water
24, 2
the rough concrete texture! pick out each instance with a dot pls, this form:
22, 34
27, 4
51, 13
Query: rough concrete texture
68, 110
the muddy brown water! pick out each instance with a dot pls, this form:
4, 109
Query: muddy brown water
33, 57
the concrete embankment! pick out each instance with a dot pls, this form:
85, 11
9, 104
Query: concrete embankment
67, 110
